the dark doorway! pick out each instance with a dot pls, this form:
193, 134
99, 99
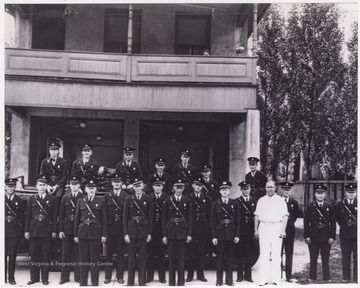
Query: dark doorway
209, 143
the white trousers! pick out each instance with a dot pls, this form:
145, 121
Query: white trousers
270, 252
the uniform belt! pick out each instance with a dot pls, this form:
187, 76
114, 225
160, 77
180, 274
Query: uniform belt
10, 218
176, 220
39, 217
226, 221
89, 221
137, 218
270, 222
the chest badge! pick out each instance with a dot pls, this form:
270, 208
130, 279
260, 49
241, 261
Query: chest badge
47, 202
59, 166
96, 205
16, 203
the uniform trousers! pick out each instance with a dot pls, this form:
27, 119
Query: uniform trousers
115, 243
89, 256
39, 254
156, 250
225, 251
270, 248
70, 254
196, 253
324, 248
348, 246
288, 245
244, 253
11, 246
177, 259
137, 245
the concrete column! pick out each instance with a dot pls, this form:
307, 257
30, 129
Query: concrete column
254, 48
132, 134
20, 141
252, 138
236, 157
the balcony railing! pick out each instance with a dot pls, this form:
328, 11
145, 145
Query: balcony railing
130, 68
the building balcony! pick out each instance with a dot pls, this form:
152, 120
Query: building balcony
130, 68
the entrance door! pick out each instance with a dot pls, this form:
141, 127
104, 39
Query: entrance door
208, 142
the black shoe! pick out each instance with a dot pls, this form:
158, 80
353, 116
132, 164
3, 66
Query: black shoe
62, 282
345, 281
218, 284
120, 281
12, 282
202, 279
30, 282
107, 281
249, 280
148, 280
289, 280
239, 279
162, 281
189, 279
230, 284
46, 282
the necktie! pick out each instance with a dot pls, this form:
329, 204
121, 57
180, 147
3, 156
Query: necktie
320, 205
351, 202
178, 199
90, 199
74, 195
138, 197
128, 164
247, 199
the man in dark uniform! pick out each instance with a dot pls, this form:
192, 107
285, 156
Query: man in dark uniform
245, 248
257, 178
70, 249
201, 207
40, 227
129, 169
346, 216
210, 187
86, 167
137, 222
288, 242
115, 242
156, 247
14, 221
184, 170
55, 168
89, 232
177, 230
225, 231
319, 232
160, 164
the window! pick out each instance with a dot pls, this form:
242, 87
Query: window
48, 27
116, 30
192, 34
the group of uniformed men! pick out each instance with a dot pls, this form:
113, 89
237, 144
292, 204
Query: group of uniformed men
181, 211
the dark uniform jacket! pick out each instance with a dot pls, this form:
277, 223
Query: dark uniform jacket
152, 176
90, 225
178, 171
158, 206
247, 210
177, 218
319, 228
347, 220
225, 220
138, 216
115, 212
41, 222
14, 216
211, 189
129, 173
258, 180
86, 171
56, 173
201, 208
67, 213
293, 209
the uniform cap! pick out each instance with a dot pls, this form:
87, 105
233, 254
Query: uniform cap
90, 183
198, 180
160, 161
179, 182
117, 177
158, 180
244, 184
320, 188
351, 187
11, 182
128, 149
206, 168
86, 147
225, 184
186, 153
54, 145
75, 178
286, 185
253, 160
137, 180
42, 179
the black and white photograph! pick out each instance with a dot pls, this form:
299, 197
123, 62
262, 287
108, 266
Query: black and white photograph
180, 143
